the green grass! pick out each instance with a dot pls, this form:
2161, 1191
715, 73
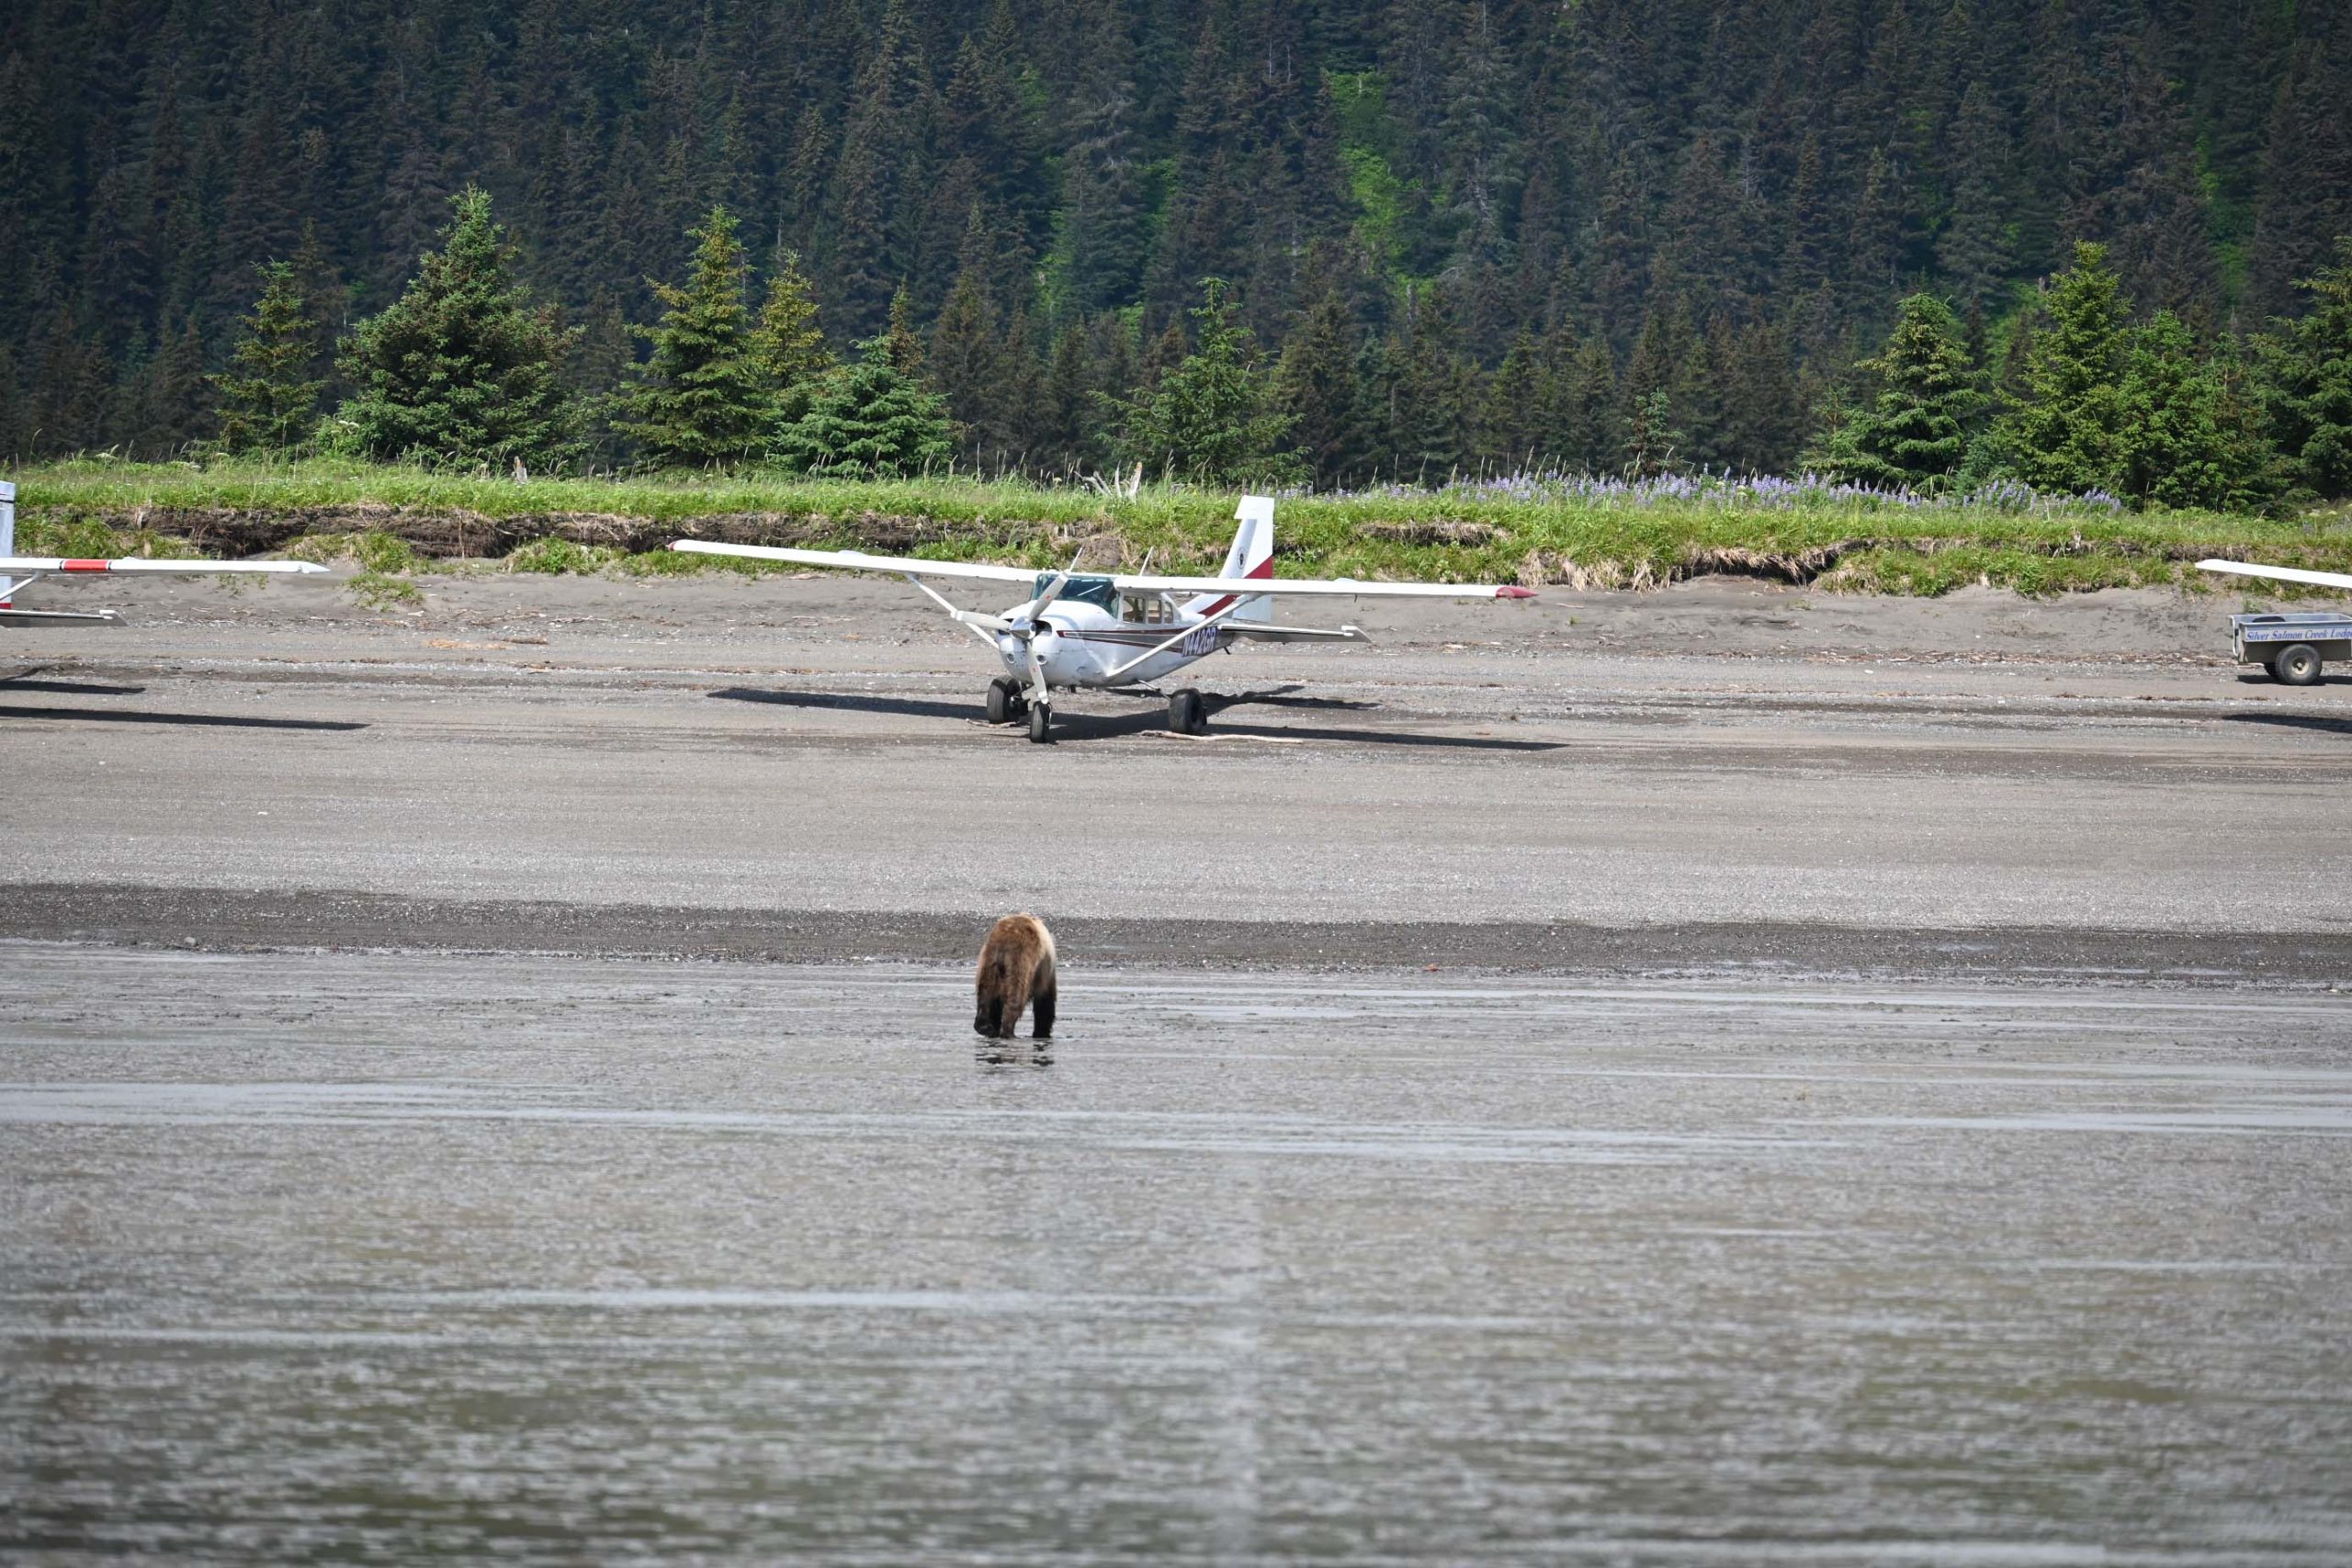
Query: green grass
381, 564
1465, 534
374, 550
555, 556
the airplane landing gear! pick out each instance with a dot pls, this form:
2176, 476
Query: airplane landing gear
1041, 721
1005, 701
1187, 714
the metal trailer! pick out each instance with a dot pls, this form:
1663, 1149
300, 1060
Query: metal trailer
2292, 647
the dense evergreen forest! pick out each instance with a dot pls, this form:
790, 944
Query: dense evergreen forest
1451, 234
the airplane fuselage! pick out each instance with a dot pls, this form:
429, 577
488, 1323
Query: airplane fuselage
1080, 643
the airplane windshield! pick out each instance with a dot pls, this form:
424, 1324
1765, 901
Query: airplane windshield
1095, 591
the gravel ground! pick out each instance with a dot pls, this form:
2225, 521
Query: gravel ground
1979, 763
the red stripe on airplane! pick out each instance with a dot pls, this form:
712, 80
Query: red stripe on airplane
86, 566
1263, 568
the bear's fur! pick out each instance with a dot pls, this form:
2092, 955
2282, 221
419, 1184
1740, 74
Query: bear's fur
1016, 972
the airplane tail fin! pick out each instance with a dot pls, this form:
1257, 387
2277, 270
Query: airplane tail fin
1252, 555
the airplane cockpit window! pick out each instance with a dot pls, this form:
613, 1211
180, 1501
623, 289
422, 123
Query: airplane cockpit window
1095, 591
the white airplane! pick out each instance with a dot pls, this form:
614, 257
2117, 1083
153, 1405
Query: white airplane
21, 571
1120, 629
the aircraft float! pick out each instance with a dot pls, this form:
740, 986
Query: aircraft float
21, 571
1120, 630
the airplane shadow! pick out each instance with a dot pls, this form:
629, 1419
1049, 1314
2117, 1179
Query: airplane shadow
1281, 697
914, 707
1085, 727
221, 720
67, 688
2293, 721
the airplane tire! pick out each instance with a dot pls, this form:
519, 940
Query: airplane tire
1183, 712
1041, 721
1196, 712
2297, 665
1000, 701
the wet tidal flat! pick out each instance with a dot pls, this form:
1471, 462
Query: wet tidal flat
384, 1258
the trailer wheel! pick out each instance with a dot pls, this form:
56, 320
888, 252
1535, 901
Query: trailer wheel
2297, 665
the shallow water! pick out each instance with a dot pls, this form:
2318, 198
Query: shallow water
374, 1258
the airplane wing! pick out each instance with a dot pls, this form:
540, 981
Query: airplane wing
19, 572
914, 566
858, 560
132, 563
2283, 574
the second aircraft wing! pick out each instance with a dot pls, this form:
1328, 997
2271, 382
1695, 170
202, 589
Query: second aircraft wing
858, 560
2283, 574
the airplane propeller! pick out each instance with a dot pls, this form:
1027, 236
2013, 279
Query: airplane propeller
1020, 621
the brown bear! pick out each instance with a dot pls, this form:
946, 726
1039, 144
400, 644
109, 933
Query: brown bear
1016, 971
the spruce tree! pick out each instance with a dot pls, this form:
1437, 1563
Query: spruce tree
870, 420
1316, 382
1376, 402
461, 369
703, 396
1069, 416
962, 346
171, 410
969, 368
1652, 440
1874, 239
1209, 419
1104, 214
1655, 390
1705, 392
789, 345
2068, 432
1915, 434
1511, 423
1975, 247
268, 401
2306, 382
905, 344
1764, 405
1021, 394
2179, 448
16, 439
1436, 398
1590, 420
